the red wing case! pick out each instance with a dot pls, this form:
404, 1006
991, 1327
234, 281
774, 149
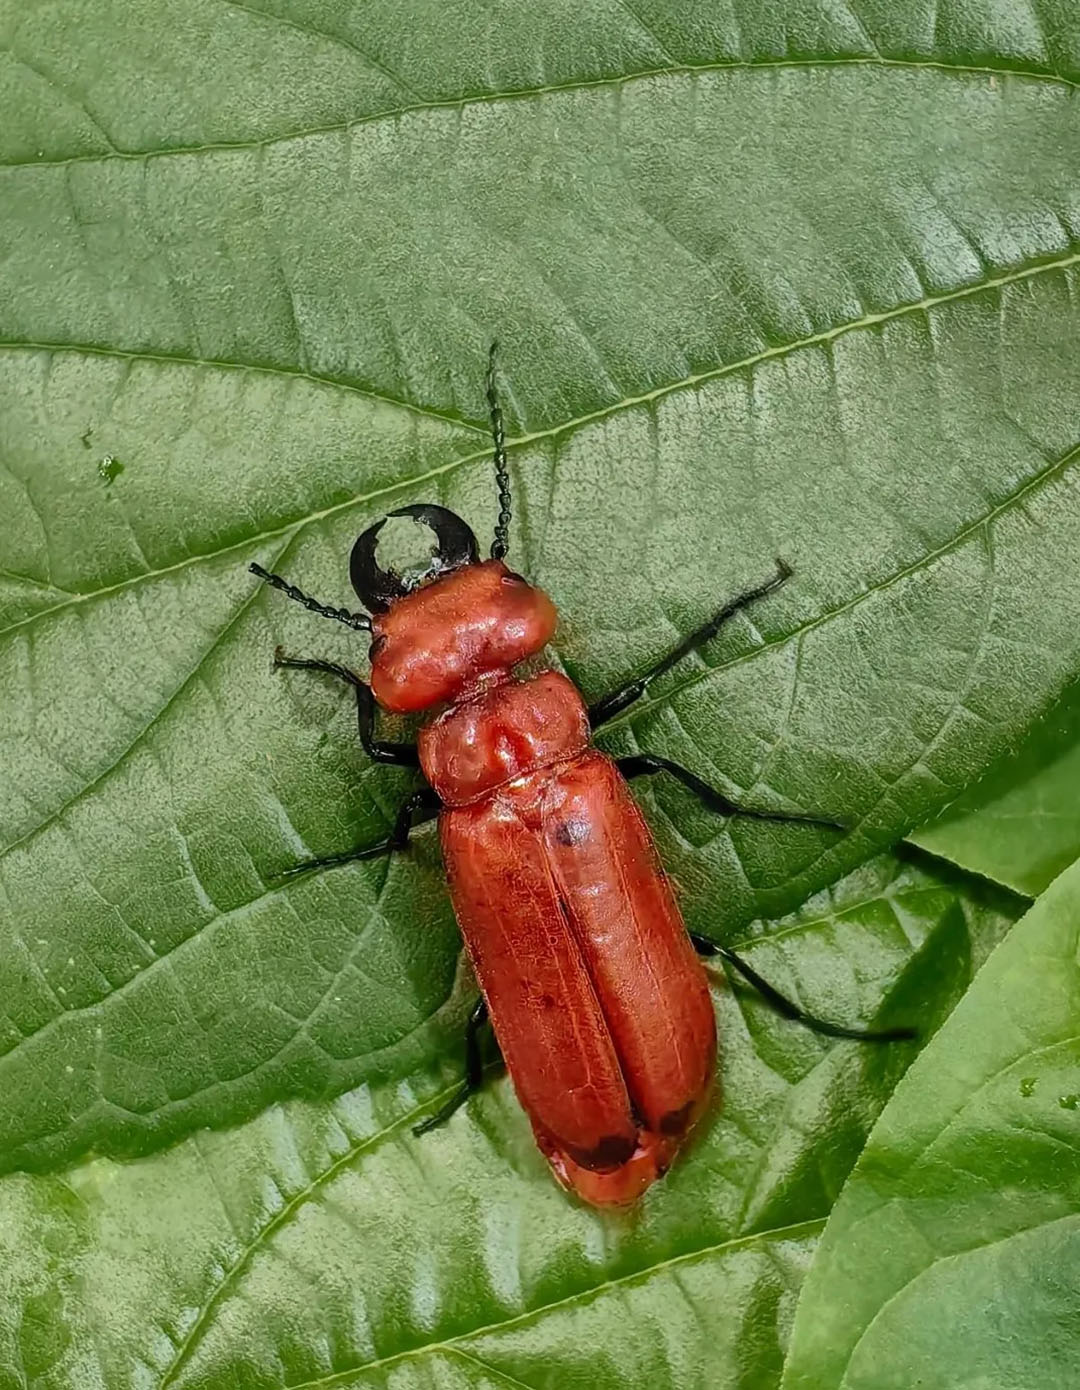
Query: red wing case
599, 1004
646, 973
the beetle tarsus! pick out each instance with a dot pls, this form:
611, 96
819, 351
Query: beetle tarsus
788, 1008
332, 861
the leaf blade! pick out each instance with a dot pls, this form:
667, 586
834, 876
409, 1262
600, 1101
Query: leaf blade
943, 1229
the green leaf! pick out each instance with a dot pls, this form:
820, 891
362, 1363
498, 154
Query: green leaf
323, 1242
949, 1259
809, 289
768, 279
1020, 824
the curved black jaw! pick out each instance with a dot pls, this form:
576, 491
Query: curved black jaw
377, 588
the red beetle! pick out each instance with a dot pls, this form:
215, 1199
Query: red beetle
592, 984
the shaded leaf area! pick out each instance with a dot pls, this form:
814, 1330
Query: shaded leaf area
1020, 824
950, 1256
323, 1242
734, 328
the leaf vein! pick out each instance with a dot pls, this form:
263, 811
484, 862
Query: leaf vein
281, 1218
335, 40
1069, 1219
461, 103
796, 1231
1013, 499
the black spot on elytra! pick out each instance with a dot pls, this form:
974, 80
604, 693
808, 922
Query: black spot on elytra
571, 832
611, 1152
674, 1122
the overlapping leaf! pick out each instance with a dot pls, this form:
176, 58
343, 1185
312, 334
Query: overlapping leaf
949, 1256
1020, 824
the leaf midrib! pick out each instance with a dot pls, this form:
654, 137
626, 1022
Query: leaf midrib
776, 352
462, 103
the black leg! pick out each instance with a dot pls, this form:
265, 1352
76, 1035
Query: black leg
379, 750
618, 700
474, 1072
421, 806
642, 764
785, 1006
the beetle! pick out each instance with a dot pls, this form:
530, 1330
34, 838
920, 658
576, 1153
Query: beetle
593, 987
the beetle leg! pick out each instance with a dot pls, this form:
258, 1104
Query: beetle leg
640, 764
474, 1072
787, 1007
379, 750
425, 801
618, 700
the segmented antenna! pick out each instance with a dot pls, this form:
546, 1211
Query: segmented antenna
360, 621
502, 474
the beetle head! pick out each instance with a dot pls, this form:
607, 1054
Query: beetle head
437, 635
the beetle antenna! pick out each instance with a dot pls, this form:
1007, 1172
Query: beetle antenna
502, 473
360, 621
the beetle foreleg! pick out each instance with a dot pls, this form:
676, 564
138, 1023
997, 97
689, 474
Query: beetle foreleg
787, 1007
642, 764
424, 800
474, 1072
618, 700
379, 750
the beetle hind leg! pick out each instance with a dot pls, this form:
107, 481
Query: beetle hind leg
788, 1008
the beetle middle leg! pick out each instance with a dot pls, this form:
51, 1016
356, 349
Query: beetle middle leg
379, 750
421, 806
618, 700
474, 1072
787, 1007
643, 764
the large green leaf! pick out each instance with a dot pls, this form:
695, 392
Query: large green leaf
950, 1258
324, 1242
787, 278
817, 308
